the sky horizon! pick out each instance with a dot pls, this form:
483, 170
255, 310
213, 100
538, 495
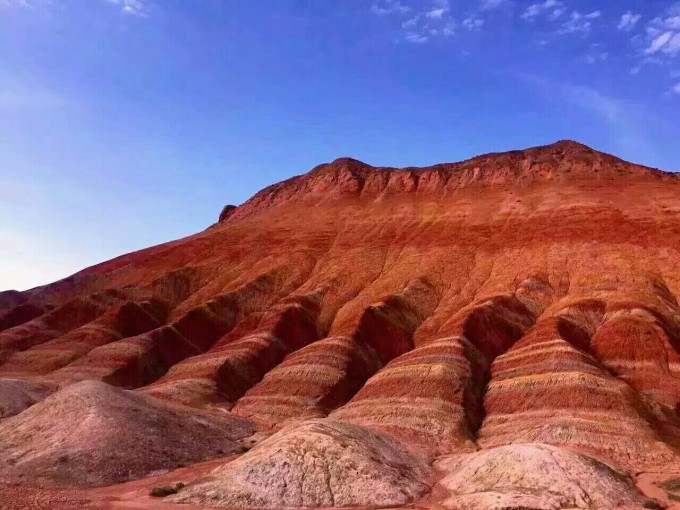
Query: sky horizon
129, 123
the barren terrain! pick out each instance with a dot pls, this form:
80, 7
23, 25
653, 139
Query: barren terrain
501, 333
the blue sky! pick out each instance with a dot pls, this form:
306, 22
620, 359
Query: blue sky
125, 123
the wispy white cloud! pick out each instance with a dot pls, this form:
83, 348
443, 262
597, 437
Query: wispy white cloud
420, 22
622, 120
676, 88
436, 13
415, 31
473, 23
557, 13
605, 107
488, 5
410, 23
438, 10
132, 7
578, 23
553, 9
596, 54
35, 5
384, 7
663, 34
415, 37
666, 43
628, 21
659, 42
450, 28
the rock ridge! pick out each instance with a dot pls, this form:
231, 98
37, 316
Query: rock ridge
562, 161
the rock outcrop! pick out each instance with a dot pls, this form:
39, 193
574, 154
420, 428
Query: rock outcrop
226, 213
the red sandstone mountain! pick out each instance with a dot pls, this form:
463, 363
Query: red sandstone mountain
493, 334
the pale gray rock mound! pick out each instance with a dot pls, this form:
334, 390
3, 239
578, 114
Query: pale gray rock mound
320, 463
92, 434
536, 477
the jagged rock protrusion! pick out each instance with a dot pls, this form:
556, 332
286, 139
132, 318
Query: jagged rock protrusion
226, 213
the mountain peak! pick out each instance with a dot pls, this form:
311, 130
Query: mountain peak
347, 162
570, 145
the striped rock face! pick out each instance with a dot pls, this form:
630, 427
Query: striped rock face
546, 389
429, 397
236, 363
127, 320
375, 337
52, 324
642, 348
310, 383
326, 374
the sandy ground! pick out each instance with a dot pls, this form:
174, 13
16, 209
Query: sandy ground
135, 495
649, 485
131, 495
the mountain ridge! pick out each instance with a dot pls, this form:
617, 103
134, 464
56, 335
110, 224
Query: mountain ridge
565, 160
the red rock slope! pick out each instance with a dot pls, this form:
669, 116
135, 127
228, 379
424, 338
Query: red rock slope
385, 318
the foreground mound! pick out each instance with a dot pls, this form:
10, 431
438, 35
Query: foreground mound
91, 434
536, 477
320, 463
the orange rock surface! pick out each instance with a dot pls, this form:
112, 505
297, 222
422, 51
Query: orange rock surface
515, 311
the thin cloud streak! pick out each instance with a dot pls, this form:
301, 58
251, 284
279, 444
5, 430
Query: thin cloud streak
132, 7
628, 21
622, 119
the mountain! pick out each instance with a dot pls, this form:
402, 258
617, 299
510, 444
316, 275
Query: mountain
498, 333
